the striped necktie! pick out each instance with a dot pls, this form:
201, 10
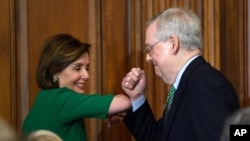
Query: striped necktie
170, 97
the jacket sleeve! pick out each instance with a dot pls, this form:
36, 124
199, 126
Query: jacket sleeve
143, 125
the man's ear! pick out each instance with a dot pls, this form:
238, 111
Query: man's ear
175, 45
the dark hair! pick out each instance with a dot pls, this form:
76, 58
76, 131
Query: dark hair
57, 53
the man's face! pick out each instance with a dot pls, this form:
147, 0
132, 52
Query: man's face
159, 54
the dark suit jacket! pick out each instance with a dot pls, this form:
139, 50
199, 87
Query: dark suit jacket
201, 103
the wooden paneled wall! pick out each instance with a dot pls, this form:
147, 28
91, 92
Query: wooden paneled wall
234, 46
8, 69
116, 30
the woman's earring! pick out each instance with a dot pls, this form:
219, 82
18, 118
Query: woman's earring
55, 79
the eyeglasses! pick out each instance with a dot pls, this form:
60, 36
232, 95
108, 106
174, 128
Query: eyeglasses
149, 49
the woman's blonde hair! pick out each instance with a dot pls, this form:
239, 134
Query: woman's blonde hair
43, 135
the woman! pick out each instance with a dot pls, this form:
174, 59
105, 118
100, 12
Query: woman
62, 104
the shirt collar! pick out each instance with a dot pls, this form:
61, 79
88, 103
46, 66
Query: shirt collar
180, 73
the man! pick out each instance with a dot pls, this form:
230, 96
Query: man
202, 97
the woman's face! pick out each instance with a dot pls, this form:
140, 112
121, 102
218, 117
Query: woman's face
75, 75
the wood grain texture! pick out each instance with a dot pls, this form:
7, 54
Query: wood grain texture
233, 46
8, 95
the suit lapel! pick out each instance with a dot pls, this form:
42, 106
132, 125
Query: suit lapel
179, 93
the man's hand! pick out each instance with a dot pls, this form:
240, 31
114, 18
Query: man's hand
114, 119
134, 83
